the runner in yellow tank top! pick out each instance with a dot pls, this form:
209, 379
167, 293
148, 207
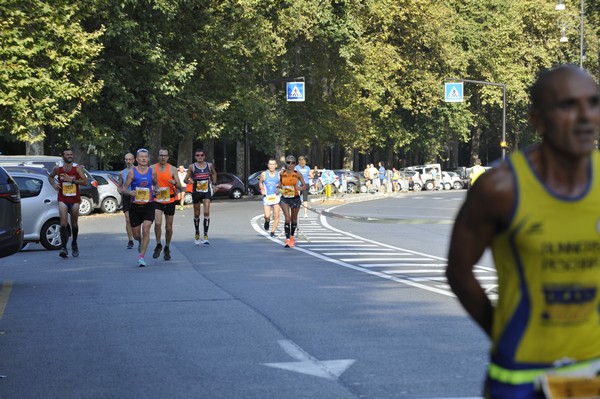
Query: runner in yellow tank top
540, 214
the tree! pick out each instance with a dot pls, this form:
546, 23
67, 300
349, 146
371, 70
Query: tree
47, 66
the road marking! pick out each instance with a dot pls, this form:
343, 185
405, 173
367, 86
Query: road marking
340, 251
4, 294
403, 264
307, 364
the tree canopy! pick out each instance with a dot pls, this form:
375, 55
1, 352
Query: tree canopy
113, 73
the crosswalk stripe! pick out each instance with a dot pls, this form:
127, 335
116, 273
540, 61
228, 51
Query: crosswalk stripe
401, 265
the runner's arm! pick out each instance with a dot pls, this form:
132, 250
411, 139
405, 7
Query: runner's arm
82, 181
485, 212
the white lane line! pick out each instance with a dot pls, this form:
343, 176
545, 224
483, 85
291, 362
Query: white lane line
402, 264
381, 258
349, 266
329, 246
415, 271
352, 253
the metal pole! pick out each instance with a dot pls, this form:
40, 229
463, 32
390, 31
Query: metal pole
503, 104
503, 120
581, 17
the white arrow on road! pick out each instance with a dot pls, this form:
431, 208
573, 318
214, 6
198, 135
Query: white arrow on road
306, 364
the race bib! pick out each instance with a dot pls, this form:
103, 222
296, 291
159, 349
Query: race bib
288, 191
563, 387
69, 189
202, 186
163, 194
272, 199
142, 194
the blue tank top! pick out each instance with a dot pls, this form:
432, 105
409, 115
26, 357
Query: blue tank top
271, 182
142, 185
303, 171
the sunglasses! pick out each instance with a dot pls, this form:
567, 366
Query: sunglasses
290, 162
200, 154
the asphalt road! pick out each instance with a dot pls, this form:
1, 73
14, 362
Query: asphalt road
244, 317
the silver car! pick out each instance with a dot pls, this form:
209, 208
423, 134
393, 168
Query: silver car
109, 196
39, 207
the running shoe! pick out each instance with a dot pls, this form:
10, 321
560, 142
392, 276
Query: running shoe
63, 253
287, 243
75, 250
292, 242
130, 244
197, 239
272, 234
205, 240
266, 226
157, 251
167, 253
141, 262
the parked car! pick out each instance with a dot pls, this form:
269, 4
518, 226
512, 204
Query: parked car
109, 196
452, 180
354, 182
228, 185
90, 198
413, 178
253, 186
39, 205
11, 222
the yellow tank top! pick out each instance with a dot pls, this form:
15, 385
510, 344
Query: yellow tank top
548, 264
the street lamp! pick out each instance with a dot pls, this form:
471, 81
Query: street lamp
565, 22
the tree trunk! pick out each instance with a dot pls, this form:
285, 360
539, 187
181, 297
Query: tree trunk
208, 146
184, 151
240, 159
35, 145
279, 155
475, 143
154, 142
348, 161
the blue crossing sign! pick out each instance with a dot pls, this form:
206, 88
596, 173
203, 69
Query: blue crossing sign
453, 92
295, 91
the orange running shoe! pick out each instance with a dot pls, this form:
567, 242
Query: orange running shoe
292, 242
287, 243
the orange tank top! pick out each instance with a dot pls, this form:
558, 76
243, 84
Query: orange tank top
289, 184
166, 191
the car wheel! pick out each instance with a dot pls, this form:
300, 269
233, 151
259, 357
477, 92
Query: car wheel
85, 206
417, 187
363, 189
351, 188
109, 205
447, 186
236, 193
429, 185
50, 235
458, 185
311, 190
187, 198
251, 191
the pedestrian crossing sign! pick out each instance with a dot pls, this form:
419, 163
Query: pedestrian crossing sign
295, 91
453, 92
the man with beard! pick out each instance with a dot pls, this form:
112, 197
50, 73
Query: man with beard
69, 177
